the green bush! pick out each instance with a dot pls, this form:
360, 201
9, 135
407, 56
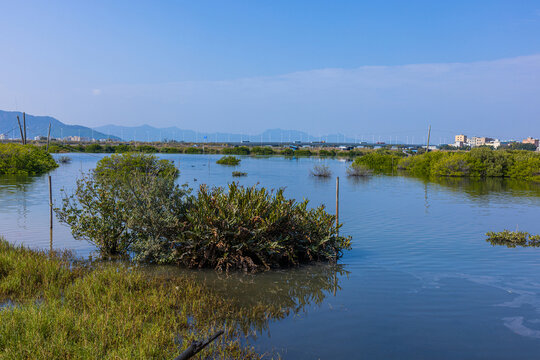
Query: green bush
193, 150
17, 159
250, 228
127, 199
122, 148
287, 152
94, 148
238, 150
482, 162
258, 150
302, 152
380, 160
238, 173
147, 149
228, 160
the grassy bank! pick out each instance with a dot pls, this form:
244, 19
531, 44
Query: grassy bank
17, 159
62, 310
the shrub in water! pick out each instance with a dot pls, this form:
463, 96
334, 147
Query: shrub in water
252, 228
321, 170
238, 173
128, 198
228, 160
64, 159
17, 159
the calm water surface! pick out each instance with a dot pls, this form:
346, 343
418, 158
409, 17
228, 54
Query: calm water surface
420, 283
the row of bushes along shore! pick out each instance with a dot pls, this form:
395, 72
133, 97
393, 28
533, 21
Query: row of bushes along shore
477, 163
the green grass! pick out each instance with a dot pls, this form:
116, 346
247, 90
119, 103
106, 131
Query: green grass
106, 311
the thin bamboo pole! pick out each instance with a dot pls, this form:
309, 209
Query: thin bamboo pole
50, 203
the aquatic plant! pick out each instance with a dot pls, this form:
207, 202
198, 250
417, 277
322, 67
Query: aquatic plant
238, 173
17, 159
512, 239
262, 150
228, 160
321, 171
64, 159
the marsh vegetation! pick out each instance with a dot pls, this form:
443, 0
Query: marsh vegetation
228, 160
130, 204
321, 171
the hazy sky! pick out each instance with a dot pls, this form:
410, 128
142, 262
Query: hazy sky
356, 67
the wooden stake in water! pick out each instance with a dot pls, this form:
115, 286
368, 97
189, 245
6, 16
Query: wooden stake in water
337, 203
50, 203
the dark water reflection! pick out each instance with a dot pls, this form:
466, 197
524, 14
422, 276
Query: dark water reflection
420, 282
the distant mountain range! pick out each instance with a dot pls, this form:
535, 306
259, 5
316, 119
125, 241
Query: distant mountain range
150, 133
39, 125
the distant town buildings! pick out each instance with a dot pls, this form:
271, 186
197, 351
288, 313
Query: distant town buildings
461, 141
531, 140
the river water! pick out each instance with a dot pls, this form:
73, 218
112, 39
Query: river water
421, 282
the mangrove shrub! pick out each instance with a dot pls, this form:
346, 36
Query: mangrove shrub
17, 159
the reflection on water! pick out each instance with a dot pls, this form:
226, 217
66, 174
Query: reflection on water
273, 294
420, 281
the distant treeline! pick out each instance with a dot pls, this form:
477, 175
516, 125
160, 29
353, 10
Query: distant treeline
479, 163
238, 150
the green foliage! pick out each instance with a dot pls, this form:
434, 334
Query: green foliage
287, 152
250, 228
512, 239
122, 166
228, 160
94, 148
193, 150
122, 148
357, 170
238, 150
521, 146
481, 162
127, 199
171, 150
238, 173
17, 159
327, 152
147, 149
302, 152
265, 150
380, 160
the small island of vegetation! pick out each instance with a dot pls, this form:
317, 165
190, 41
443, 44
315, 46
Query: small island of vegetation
513, 239
228, 160
130, 204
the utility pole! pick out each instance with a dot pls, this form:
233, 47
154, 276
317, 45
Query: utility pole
428, 135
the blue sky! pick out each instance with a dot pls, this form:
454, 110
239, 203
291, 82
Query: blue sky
377, 67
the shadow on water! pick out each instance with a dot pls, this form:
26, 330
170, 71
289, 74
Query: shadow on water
267, 296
